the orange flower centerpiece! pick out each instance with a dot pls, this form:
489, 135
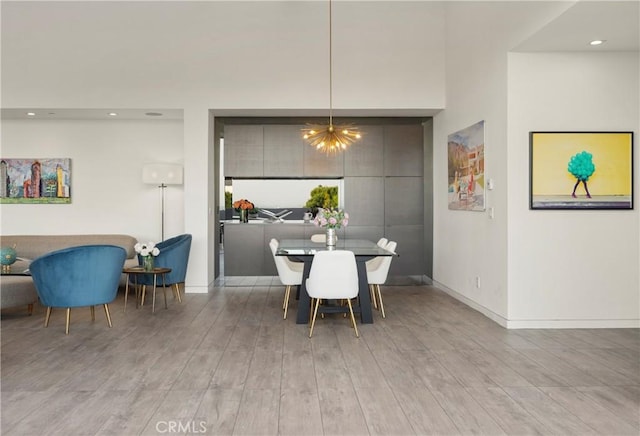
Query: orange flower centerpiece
244, 207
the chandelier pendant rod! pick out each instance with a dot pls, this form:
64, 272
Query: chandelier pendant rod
330, 69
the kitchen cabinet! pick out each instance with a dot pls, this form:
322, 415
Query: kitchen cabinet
243, 151
364, 200
403, 150
243, 249
366, 156
320, 164
283, 151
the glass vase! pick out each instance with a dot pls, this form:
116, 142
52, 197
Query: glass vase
244, 215
147, 263
332, 238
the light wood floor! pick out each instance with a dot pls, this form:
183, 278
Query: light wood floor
226, 363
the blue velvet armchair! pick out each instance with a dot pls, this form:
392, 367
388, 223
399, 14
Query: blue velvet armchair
174, 254
87, 275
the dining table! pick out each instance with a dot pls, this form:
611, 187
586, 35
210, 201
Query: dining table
303, 250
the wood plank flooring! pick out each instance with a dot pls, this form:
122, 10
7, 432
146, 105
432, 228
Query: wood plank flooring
226, 363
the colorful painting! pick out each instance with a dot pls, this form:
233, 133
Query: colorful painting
466, 168
581, 170
35, 181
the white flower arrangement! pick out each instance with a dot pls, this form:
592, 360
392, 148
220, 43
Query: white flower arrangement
146, 249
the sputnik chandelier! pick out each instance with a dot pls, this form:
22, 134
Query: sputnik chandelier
331, 138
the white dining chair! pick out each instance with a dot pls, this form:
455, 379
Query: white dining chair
333, 275
290, 273
382, 242
377, 271
320, 237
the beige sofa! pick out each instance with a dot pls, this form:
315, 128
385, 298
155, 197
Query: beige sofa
20, 291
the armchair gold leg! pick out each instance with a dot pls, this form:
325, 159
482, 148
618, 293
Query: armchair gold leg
93, 313
315, 313
66, 328
106, 312
380, 300
353, 319
144, 290
47, 316
177, 292
285, 303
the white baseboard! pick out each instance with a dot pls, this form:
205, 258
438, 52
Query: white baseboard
541, 323
197, 289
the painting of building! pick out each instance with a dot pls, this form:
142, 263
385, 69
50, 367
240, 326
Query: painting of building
35, 181
466, 168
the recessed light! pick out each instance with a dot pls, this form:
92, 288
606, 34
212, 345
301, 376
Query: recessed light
153, 114
31, 114
597, 42
113, 114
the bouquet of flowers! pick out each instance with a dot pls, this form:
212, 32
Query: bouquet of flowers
243, 204
331, 218
147, 251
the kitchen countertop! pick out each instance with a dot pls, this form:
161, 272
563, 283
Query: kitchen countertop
268, 222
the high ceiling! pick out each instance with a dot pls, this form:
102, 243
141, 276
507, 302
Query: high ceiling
615, 22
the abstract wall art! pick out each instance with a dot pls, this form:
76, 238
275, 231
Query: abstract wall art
35, 181
581, 170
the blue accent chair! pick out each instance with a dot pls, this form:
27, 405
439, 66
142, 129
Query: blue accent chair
174, 254
81, 276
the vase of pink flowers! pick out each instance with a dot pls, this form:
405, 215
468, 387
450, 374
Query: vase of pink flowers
331, 219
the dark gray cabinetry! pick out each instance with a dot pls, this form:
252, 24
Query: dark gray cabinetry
283, 151
403, 198
366, 156
319, 164
364, 200
403, 154
243, 151
243, 249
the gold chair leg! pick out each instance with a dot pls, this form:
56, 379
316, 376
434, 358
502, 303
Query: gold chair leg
126, 293
144, 290
285, 303
106, 312
93, 313
66, 328
380, 300
177, 292
164, 292
315, 313
372, 292
353, 319
47, 316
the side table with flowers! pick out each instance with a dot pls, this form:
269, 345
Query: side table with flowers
147, 251
331, 219
244, 208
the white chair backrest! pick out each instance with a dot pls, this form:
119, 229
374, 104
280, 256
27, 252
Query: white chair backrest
382, 242
287, 275
378, 267
320, 237
334, 274
386, 260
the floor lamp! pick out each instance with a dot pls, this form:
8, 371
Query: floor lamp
162, 174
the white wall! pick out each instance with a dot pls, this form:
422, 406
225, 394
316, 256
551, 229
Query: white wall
213, 57
107, 193
470, 245
571, 268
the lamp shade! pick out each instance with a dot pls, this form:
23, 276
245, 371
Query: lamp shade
162, 173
